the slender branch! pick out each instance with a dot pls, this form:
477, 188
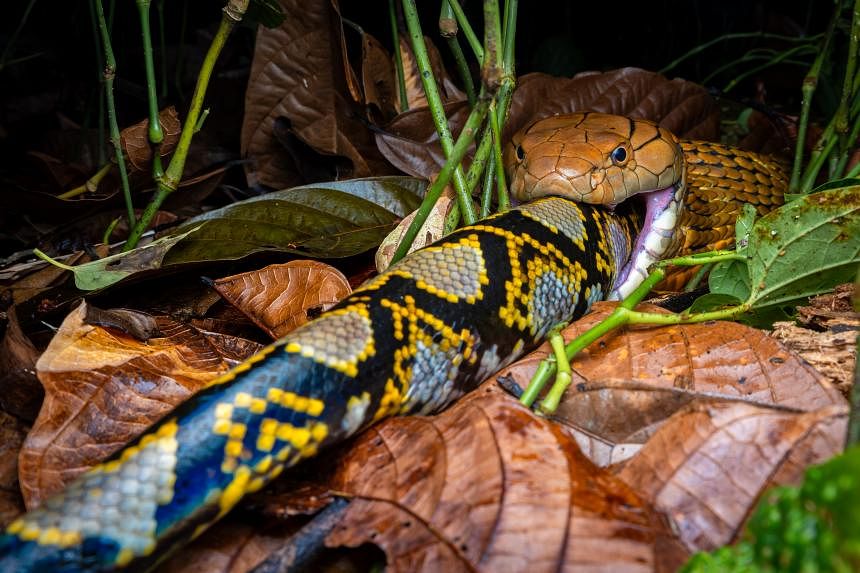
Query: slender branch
448, 29
437, 110
850, 66
464, 141
90, 186
109, 75
156, 134
803, 183
398, 58
168, 183
738, 36
462, 69
13, 39
487, 186
466, 27
496, 160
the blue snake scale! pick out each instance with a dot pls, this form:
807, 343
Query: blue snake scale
411, 340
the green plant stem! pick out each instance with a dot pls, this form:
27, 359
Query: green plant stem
480, 160
798, 183
492, 68
168, 183
563, 371
487, 187
109, 75
770, 59
496, 160
622, 315
398, 58
464, 141
100, 66
771, 62
156, 134
737, 36
697, 278
842, 120
90, 186
13, 39
467, 30
462, 69
437, 110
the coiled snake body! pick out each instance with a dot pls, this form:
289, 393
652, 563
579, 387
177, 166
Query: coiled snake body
409, 341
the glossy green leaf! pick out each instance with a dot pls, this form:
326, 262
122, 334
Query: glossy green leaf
104, 272
322, 220
804, 248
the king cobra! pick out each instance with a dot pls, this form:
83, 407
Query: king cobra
692, 190
410, 340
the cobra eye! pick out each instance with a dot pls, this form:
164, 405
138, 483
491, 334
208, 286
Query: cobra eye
520, 153
619, 154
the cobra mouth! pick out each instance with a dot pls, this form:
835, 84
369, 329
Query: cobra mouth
662, 209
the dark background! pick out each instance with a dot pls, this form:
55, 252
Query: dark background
54, 87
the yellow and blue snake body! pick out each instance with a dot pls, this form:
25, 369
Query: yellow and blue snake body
411, 340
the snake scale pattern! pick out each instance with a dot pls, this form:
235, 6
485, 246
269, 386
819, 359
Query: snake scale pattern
411, 340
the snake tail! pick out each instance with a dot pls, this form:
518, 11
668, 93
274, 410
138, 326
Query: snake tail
411, 340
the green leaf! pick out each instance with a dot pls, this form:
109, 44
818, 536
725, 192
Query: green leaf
322, 220
804, 248
110, 270
730, 278
713, 301
743, 227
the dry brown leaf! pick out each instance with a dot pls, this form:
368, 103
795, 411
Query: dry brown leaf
489, 486
628, 383
280, 298
448, 90
377, 77
20, 391
103, 388
710, 463
12, 434
135, 139
683, 107
431, 231
411, 144
298, 74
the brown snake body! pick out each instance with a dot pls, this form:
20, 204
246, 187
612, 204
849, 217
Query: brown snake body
693, 190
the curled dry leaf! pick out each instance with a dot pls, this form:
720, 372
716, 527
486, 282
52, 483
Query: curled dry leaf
630, 382
489, 486
683, 107
431, 231
708, 465
377, 77
298, 74
280, 298
135, 139
410, 141
103, 388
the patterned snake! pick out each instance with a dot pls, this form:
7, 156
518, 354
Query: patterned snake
411, 340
